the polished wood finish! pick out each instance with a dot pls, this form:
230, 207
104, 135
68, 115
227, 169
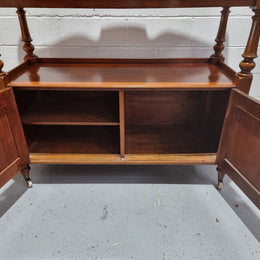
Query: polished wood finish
165, 108
125, 111
70, 108
248, 64
73, 139
239, 150
26, 37
238, 177
13, 148
173, 121
245, 77
122, 122
13, 73
133, 74
157, 159
219, 47
229, 71
124, 3
169, 123
168, 140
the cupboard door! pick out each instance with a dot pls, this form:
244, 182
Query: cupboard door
14, 155
239, 150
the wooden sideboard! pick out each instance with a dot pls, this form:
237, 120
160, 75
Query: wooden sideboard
132, 111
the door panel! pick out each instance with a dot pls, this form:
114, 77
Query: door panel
8, 149
239, 151
14, 155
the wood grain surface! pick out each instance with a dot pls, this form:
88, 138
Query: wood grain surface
125, 74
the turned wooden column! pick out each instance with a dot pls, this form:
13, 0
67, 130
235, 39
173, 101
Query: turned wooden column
248, 64
26, 37
244, 77
219, 46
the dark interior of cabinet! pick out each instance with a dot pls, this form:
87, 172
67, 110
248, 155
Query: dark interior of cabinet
156, 122
68, 107
82, 122
73, 139
174, 121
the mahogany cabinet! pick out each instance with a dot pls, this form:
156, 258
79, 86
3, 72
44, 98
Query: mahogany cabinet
132, 111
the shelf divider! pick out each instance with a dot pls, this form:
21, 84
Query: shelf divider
122, 122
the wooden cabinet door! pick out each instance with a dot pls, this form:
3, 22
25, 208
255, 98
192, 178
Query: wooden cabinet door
239, 150
14, 155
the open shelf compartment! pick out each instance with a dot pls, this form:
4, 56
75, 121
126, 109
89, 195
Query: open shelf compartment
68, 107
73, 139
169, 140
170, 128
174, 122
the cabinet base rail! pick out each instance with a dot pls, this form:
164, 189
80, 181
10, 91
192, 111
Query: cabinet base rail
45, 158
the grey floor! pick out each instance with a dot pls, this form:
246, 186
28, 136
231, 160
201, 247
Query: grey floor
126, 212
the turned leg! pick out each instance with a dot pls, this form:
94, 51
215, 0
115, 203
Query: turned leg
25, 173
220, 178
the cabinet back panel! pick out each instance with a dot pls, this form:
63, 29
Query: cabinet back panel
170, 122
163, 108
168, 140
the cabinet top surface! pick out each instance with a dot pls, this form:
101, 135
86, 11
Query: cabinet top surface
124, 3
124, 74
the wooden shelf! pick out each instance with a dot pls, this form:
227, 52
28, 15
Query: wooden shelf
73, 139
112, 74
70, 108
169, 140
144, 144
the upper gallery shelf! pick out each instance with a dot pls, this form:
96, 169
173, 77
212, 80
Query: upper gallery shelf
124, 3
126, 74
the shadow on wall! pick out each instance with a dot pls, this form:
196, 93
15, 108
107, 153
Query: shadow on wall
116, 42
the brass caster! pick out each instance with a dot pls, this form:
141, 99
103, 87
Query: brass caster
29, 183
220, 185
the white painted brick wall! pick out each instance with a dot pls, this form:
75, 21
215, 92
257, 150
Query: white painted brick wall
143, 33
